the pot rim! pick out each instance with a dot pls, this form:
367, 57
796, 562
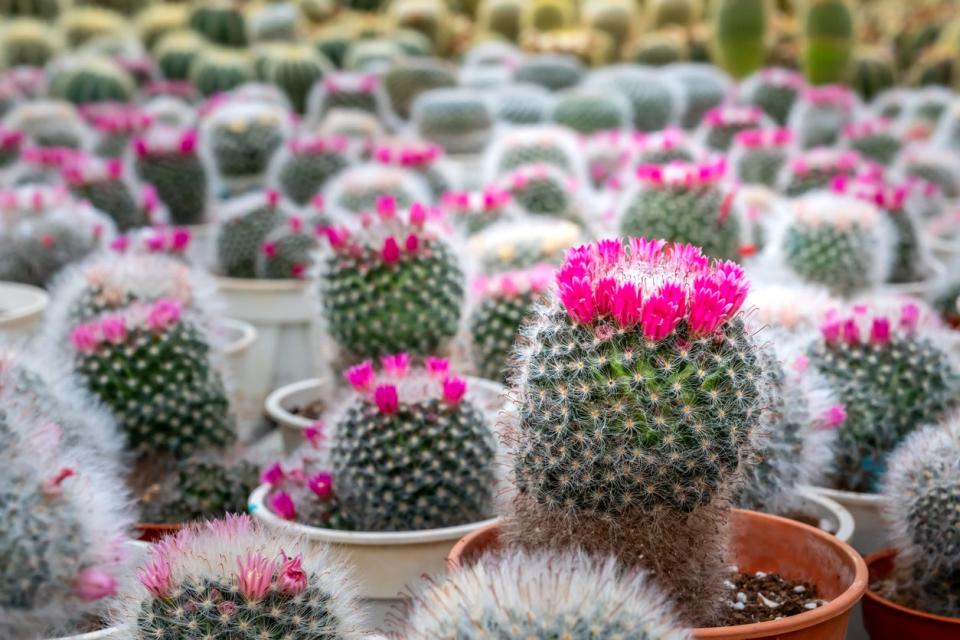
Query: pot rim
773, 628
877, 599
39, 302
247, 335
254, 285
257, 508
851, 497
846, 526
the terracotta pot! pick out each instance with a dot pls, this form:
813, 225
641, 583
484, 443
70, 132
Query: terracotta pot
151, 531
887, 620
761, 542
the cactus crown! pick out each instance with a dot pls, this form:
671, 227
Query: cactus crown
170, 241
867, 128
409, 155
253, 581
824, 160
521, 595
763, 138
116, 118
164, 140
663, 146
831, 96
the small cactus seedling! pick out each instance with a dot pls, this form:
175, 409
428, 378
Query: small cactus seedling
287, 251
309, 163
873, 139
349, 91
522, 104
240, 138
922, 488
684, 203
860, 351
639, 393
816, 169
775, 91
759, 154
459, 120
477, 210
432, 466
230, 578
821, 114
551, 71
392, 283
426, 160
543, 595
520, 147
359, 188
543, 190
502, 302
105, 185
721, 124
654, 101
521, 243
243, 227
116, 124
168, 159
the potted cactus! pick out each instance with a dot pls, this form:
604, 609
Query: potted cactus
757, 155
721, 125
539, 189
308, 164
774, 90
358, 188
815, 169
474, 211
168, 158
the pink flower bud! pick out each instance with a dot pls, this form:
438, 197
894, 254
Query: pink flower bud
188, 141
453, 390
85, 337
94, 584
156, 576
412, 243
273, 198
272, 475
114, 328
418, 214
291, 578
361, 376
314, 433
880, 331
321, 484
53, 486
386, 399
437, 367
282, 505
834, 416
386, 207
391, 250
269, 249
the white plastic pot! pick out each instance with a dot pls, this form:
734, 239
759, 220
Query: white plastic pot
239, 338
488, 395
869, 533
21, 310
833, 517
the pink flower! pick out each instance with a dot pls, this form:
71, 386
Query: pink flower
226, 608
390, 251
272, 475
830, 330
603, 295
418, 214
52, 486
113, 328
395, 365
361, 376
156, 576
140, 147
254, 574
273, 198
609, 251
386, 207
453, 390
291, 578
627, 305
269, 249
851, 332
164, 313
188, 141
386, 399
94, 584
576, 294
85, 337
321, 484
120, 244
834, 416
646, 250
663, 311
880, 331
437, 367
909, 316
336, 236
282, 504
314, 433
801, 363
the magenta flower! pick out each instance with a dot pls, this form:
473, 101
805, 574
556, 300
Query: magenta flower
437, 367
662, 311
390, 251
291, 578
418, 214
834, 416
282, 504
188, 141
386, 399
164, 313
361, 376
909, 316
321, 484
453, 390
412, 243
314, 433
85, 337
395, 365
386, 207
114, 328
94, 584
880, 331
627, 305
269, 249
272, 475
254, 574
156, 576
273, 198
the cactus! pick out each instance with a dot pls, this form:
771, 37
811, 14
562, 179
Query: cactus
348, 91
459, 120
838, 242
871, 73
292, 67
591, 111
775, 91
522, 147
922, 488
116, 124
215, 70
828, 35
41, 9
543, 595
543, 190
704, 87
157, 20
500, 17
616, 18
816, 169
425, 160
244, 224
522, 104
653, 100
219, 22
81, 25
176, 51
199, 488
639, 392
308, 164
262, 582
287, 251
167, 158
548, 15
721, 124
936, 166
392, 284
105, 185
428, 17
663, 13
359, 188
739, 35
371, 54
523, 243
242, 137
91, 79
873, 139
407, 78
660, 48
662, 147
503, 301
759, 154
684, 203
820, 116
550, 71
274, 22
65, 523
775, 306
10, 144
859, 351
27, 42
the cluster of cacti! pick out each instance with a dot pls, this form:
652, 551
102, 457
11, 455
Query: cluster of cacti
168, 158
859, 351
459, 120
475, 211
307, 166
392, 283
816, 169
758, 155
433, 467
241, 138
874, 140
721, 125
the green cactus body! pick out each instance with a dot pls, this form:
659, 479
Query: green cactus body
501, 17
522, 151
33, 254
309, 165
294, 68
504, 301
243, 138
175, 53
686, 204
92, 80
103, 185
721, 124
663, 13
874, 140
156, 21
369, 54
759, 155
27, 42
553, 72
41, 9
660, 48
860, 353
704, 88
934, 166
663, 147
510, 245
542, 190
244, 227
150, 366
522, 104
220, 23
820, 118
542, 16
616, 18
828, 32
775, 91
871, 74
591, 112
409, 77
739, 37
651, 99
216, 70
428, 17
359, 188
351, 92
115, 124
459, 120
816, 169
198, 489
81, 25
168, 160
287, 252
379, 297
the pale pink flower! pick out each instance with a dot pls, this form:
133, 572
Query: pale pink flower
85, 337
164, 313
114, 328
94, 584
291, 578
254, 574
156, 575
834, 416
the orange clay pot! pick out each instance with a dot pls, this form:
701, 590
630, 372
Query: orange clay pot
761, 542
151, 532
886, 620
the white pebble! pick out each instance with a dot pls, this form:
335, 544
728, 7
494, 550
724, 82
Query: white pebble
799, 588
739, 606
810, 605
760, 574
768, 602
741, 596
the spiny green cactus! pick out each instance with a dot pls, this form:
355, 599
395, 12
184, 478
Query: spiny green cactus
816, 169
428, 17
115, 125
407, 78
359, 188
922, 488
523, 147
459, 120
349, 91
393, 283
684, 203
308, 164
660, 48
721, 124
91, 79
175, 53
287, 251
549, 70
704, 87
501, 17
654, 102
759, 154
522, 104
874, 140
616, 18
543, 190
218, 69
828, 35
221, 23
243, 226
200, 488
663, 147
859, 352
820, 116
739, 35
425, 160
591, 111
81, 25
27, 42
157, 20
168, 159
775, 91
242, 137
105, 186
295, 68
476, 210
41, 9
936, 166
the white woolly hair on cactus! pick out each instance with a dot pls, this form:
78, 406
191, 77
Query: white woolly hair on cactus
261, 93
234, 110
775, 306
169, 111
492, 53
562, 139
64, 553
577, 193
34, 116
666, 141
547, 238
834, 99
741, 117
372, 176
27, 204
256, 576
819, 159
523, 595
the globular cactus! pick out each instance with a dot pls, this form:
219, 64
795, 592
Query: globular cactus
81, 25
660, 48
684, 203
589, 111
428, 17
393, 283
525, 146
459, 120
233, 577
639, 392
551, 71
930, 164
43, 9
922, 491
662, 147
240, 138
874, 140
425, 160
348, 91
703, 86
816, 169
303, 170
548, 15
214, 70
65, 523
859, 351
106, 185
522, 104
436, 446
616, 18
222, 23
537, 595
522, 243
368, 55
775, 91
477, 210
200, 487
88, 79
11, 141
500, 17
662, 13
359, 188
828, 38
27, 42
115, 124
171, 241
274, 22
287, 251
607, 154
176, 51
294, 68
157, 20
835, 241
408, 77
721, 124
43, 229
243, 225
872, 72
758, 155
819, 117
739, 44
502, 302
543, 190
655, 102
168, 159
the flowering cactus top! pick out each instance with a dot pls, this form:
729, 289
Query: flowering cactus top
725, 116
831, 95
667, 140
166, 140
34, 199
835, 210
510, 284
84, 169
351, 81
53, 157
519, 178
882, 194
682, 174
825, 159
649, 286
113, 328
868, 127
486, 201
866, 324
115, 117
309, 145
763, 138
411, 154
398, 381
173, 240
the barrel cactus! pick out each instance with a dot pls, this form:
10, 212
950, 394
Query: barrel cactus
220, 22
425, 160
27, 42
157, 20
108, 187
874, 140
287, 252
655, 102
303, 170
215, 69
703, 86
359, 188
872, 72
204, 486
115, 125
537, 145
81, 25
500, 17
168, 159
240, 138
294, 68
242, 227
816, 169
408, 77
176, 51
90, 79
44, 9
522, 104
759, 154
721, 124
549, 70
587, 111
524, 242
774, 90
459, 120
477, 210
936, 166
662, 147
